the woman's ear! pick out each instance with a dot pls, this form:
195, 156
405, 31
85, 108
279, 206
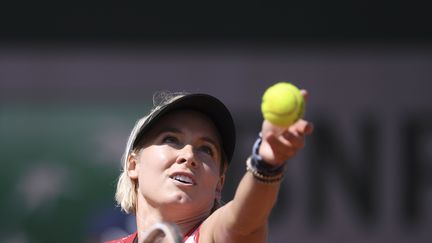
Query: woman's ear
219, 187
133, 166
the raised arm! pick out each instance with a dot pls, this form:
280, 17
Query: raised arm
244, 219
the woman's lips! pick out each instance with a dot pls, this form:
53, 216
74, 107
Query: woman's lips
184, 178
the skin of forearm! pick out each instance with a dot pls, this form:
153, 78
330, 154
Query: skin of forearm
251, 206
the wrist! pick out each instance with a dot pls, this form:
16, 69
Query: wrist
261, 170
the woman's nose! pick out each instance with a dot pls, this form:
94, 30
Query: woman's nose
186, 155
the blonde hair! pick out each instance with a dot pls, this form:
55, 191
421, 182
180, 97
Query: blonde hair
126, 193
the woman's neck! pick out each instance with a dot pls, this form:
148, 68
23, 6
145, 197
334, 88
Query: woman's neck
148, 215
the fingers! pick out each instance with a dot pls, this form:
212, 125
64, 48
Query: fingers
294, 136
276, 151
305, 94
302, 127
278, 147
293, 139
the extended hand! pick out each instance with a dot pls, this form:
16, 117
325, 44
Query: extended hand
280, 145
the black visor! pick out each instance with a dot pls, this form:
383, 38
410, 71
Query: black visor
206, 104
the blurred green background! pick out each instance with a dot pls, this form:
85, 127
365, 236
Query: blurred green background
60, 162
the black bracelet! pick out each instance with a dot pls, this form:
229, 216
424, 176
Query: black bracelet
260, 165
261, 170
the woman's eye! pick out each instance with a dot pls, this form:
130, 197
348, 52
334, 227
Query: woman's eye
207, 150
170, 139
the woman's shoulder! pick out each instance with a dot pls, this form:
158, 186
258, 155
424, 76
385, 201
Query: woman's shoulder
218, 227
212, 225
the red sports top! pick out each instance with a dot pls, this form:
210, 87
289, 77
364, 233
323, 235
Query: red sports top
191, 237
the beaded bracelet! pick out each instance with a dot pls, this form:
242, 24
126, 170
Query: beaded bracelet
261, 170
260, 177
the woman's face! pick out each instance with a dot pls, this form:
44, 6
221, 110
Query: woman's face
180, 162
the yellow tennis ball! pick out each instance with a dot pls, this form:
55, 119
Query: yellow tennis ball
282, 104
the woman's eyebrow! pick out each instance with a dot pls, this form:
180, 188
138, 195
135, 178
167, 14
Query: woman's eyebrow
169, 129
